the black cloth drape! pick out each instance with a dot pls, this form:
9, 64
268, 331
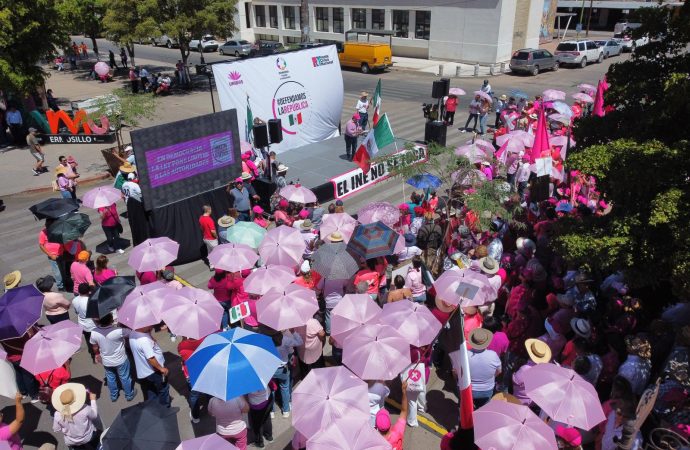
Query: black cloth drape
138, 221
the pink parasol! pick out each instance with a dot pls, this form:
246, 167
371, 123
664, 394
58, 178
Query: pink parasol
541, 138
101, 197
562, 141
246, 147
347, 433
51, 347
508, 426
298, 194
376, 352
142, 307
550, 95
474, 153
464, 287
527, 139
378, 211
192, 312
288, 308
487, 146
283, 246
484, 95
509, 147
266, 278
581, 96
456, 91
598, 107
326, 396
208, 442
562, 118
351, 312
413, 320
341, 222
468, 178
233, 257
153, 254
3, 354
587, 87
564, 395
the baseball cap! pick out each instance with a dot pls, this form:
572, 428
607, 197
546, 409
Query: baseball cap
383, 420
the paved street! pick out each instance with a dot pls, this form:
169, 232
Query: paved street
403, 94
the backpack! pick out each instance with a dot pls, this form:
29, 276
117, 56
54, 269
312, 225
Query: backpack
45, 392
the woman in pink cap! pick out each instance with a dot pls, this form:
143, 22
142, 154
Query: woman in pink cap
259, 218
281, 214
394, 434
568, 438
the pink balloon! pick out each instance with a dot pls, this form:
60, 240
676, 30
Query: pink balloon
101, 68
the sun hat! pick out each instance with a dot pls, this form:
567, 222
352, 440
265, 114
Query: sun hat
246, 176
282, 203
581, 327
538, 350
129, 148
488, 265
506, 397
282, 168
503, 97
68, 399
126, 168
336, 236
418, 211
404, 207
238, 180
303, 214
257, 209
305, 267
83, 256
364, 94
383, 420
570, 435
12, 279
306, 225
444, 306
533, 116
226, 221
480, 338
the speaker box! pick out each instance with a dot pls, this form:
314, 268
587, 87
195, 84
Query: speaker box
437, 89
275, 131
260, 136
435, 132
446, 85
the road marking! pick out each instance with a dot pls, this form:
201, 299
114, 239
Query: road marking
183, 281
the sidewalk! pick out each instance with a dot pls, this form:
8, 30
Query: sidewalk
448, 68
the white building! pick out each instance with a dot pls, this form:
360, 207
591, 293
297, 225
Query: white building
606, 13
483, 31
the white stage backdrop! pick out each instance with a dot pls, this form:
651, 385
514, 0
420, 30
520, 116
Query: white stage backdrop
302, 88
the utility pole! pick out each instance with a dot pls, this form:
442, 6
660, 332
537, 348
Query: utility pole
589, 17
304, 20
579, 22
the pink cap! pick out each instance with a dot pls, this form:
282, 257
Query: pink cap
303, 214
238, 180
356, 116
570, 435
383, 420
404, 206
258, 209
283, 203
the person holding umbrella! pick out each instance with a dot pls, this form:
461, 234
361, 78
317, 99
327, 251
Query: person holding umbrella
110, 222
285, 343
150, 364
54, 253
260, 410
229, 423
80, 272
74, 418
14, 347
10, 433
394, 434
55, 305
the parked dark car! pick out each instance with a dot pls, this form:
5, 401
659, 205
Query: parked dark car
263, 48
532, 60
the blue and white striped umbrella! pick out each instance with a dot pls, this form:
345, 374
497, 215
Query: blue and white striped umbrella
233, 363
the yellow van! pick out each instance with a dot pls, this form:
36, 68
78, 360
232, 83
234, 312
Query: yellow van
365, 56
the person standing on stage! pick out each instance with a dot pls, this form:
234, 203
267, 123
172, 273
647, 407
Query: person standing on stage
352, 130
363, 109
241, 196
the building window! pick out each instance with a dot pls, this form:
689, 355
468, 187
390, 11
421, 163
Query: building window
260, 15
422, 24
338, 20
378, 21
273, 16
359, 18
322, 19
247, 13
293, 40
268, 37
401, 23
289, 17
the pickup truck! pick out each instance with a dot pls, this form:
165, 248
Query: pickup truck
207, 43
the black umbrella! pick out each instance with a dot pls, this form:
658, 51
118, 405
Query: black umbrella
68, 228
145, 426
54, 208
109, 296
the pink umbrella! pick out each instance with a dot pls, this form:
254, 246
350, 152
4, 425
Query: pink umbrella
509, 147
598, 107
456, 91
587, 87
288, 308
464, 287
376, 352
153, 254
581, 96
561, 141
3, 354
484, 95
233, 257
550, 95
246, 147
326, 396
347, 433
541, 138
208, 442
562, 118
521, 136
266, 278
413, 320
142, 307
468, 178
379, 211
298, 194
474, 153
51, 347
564, 395
506, 426
351, 312
101, 197
487, 146
192, 312
282, 246
341, 222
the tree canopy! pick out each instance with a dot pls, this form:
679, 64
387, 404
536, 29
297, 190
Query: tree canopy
125, 22
84, 16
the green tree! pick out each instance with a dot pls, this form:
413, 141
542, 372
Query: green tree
126, 22
124, 109
84, 16
30, 30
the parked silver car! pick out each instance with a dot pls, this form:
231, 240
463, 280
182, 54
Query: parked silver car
532, 60
165, 40
237, 48
611, 47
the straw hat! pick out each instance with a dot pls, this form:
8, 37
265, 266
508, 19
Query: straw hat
480, 338
306, 225
503, 97
68, 398
505, 397
60, 169
245, 176
364, 94
538, 351
488, 265
282, 168
443, 306
226, 221
336, 236
126, 168
581, 327
12, 279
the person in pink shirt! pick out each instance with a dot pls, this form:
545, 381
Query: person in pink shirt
371, 277
259, 218
103, 272
146, 277
311, 351
281, 213
500, 341
221, 291
395, 434
55, 304
10, 433
413, 280
80, 271
110, 222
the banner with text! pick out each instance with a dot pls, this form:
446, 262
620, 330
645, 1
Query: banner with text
355, 180
303, 88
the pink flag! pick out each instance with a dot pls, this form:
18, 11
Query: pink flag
598, 107
460, 361
541, 138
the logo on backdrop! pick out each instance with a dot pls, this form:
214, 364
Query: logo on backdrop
291, 104
235, 78
321, 60
281, 65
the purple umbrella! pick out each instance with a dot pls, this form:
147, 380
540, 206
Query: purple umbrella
347, 433
351, 312
288, 308
192, 312
233, 257
266, 278
553, 94
142, 307
484, 95
282, 246
564, 395
474, 153
153, 254
298, 194
464, 287
51, 347
342, 222
527, 139
20, 308
208, 442
376, 352
587, 87
101, 197
487, 146
414, 321
506, 426
456, 91
326, 396
378, 211
581, 96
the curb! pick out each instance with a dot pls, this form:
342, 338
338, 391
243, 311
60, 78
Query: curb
452, 76
90, 180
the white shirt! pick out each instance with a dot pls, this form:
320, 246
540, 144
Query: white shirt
143, 73
131, 189
409, 253
79, 304
362, 106
523, 172
486, 88
290, 340
258, 397
111, 343
228, 415
377, 396
333, 291
144, 347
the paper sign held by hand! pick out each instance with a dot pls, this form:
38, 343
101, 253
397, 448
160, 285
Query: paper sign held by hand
467, 290
239, 312
543, 166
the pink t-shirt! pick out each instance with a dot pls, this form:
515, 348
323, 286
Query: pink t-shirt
111, 219
12, 439
397, 435
104, 275
499, 343
80, 274
312, 348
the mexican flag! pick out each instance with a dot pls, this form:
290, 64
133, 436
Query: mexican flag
377, 103
460, 361
379, 136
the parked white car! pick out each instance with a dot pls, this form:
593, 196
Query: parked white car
207, 43
611, 47
165, 40
579, 53
628, 44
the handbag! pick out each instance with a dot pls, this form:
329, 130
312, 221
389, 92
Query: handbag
119, 227
415, 375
